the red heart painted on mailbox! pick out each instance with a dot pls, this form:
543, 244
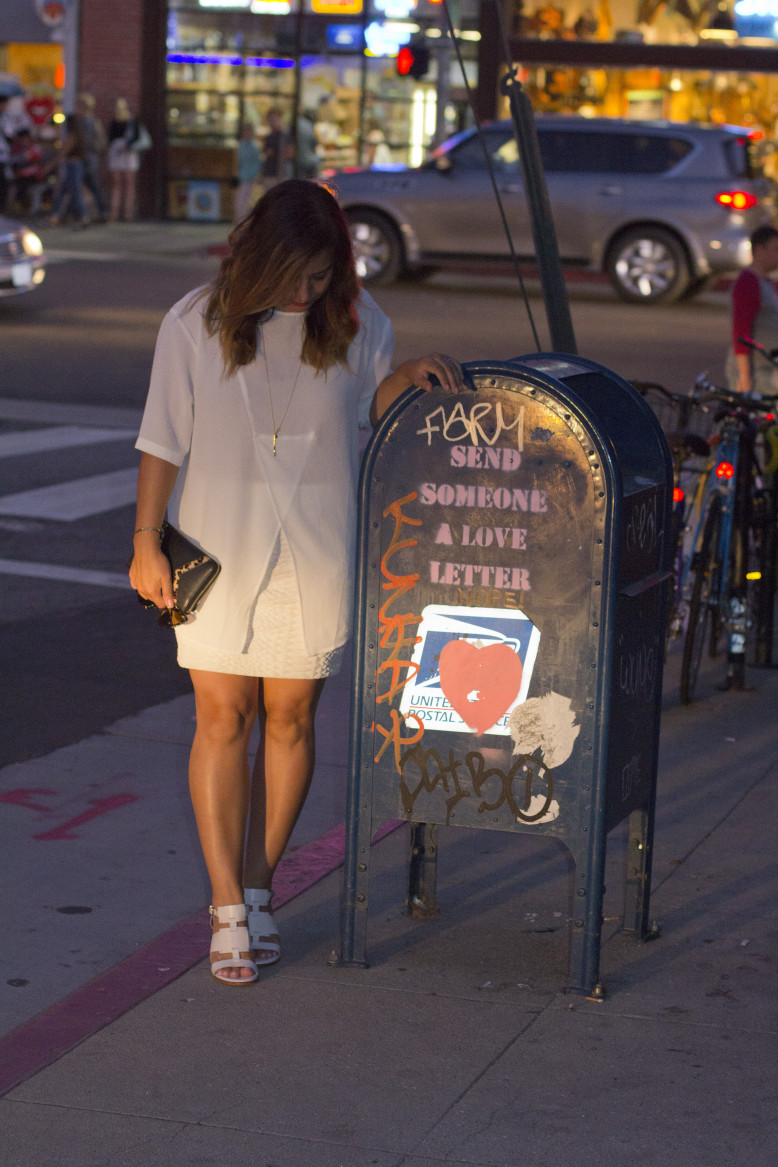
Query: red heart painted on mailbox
479, 683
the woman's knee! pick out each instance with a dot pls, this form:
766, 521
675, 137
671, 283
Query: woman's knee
226, 715
289, 718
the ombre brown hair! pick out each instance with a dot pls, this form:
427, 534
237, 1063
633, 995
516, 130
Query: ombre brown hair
269, 250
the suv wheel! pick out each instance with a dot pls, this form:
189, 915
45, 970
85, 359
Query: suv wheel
648, 265
377, 248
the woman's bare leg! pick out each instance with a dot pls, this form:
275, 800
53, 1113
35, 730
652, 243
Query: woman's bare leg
129, 195
116, 195
282, 773
219, 779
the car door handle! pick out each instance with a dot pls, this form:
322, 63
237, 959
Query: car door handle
610, 190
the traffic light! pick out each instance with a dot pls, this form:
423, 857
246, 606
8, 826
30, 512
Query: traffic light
413, 60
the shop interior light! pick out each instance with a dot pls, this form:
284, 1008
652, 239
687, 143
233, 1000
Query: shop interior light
725, 470
737, 200
756, 8
753, 575
271, 7
270, 62
224, 3
721, 26
382, 43
203, 59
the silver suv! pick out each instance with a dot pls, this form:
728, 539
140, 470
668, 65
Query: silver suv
659, 206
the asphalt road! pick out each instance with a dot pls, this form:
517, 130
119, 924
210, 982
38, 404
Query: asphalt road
78, 652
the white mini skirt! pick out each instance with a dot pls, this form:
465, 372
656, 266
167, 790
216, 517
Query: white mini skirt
276, 646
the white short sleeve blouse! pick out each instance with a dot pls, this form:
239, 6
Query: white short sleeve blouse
232, 496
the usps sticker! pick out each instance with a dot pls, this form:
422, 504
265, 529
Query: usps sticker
474, 668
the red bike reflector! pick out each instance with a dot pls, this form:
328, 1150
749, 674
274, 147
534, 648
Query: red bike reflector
737, 200
725, 470
678, 495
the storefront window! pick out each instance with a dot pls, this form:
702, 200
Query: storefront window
338, 103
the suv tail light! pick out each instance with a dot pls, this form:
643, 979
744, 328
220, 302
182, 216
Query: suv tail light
737, 200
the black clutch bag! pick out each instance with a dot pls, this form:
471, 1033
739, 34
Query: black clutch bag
193, 572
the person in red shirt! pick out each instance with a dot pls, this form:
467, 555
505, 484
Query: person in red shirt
755, 316
29, 172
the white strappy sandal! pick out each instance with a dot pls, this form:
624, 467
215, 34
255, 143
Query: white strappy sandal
262, 927
231, 935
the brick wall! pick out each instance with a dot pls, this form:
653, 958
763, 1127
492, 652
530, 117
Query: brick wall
110, 59
121, 54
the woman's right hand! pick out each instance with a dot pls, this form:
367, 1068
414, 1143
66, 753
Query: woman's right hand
150, 571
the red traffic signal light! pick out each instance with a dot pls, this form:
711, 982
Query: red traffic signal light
413, 60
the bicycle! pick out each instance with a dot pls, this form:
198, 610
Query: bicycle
736, 515
687, 424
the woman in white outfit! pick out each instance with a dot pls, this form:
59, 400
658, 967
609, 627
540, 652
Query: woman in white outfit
250, 441
123, 161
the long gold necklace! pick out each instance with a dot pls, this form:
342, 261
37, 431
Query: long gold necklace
277, 428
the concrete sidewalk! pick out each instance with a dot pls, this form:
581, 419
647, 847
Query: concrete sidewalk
458, 1044
124, 240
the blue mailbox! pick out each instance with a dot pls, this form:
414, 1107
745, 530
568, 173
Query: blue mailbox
511, 591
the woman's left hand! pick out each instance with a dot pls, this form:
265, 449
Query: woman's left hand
447, 370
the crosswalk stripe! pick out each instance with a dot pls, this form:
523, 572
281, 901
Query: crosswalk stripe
59, 437
67, 501
105, 579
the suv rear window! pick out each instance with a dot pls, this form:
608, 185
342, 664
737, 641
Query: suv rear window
744, 156
590, 152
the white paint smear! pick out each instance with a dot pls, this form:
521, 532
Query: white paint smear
536, 803
547, 723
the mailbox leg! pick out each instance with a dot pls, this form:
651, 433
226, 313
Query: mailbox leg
422, 871
587, 919
356, 861
637, 896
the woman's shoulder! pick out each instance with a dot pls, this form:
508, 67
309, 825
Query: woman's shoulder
368, 311
189, 311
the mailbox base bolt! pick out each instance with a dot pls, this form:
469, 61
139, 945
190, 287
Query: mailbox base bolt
599, 992
360, 899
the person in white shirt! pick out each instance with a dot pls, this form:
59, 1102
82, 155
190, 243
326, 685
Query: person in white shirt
250, 441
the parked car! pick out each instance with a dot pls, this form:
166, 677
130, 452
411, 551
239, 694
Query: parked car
22, 262
660, 206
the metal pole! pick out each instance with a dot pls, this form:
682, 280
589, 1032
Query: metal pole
560, 324
70, 38
443, 54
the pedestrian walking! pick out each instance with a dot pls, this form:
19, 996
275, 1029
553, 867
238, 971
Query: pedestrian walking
95, 142
123, 161
249, 168
250, 440
275, 150
70, 159
755, 316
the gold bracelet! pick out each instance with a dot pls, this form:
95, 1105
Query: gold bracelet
139, 529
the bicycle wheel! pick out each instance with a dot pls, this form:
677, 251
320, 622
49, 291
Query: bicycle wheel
706, 578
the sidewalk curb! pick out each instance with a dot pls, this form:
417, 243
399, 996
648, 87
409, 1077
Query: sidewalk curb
47, 1037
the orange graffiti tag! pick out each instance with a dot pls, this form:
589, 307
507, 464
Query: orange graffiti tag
392, 630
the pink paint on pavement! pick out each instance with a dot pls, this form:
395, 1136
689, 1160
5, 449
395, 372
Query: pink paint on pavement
40, 1041
99, 806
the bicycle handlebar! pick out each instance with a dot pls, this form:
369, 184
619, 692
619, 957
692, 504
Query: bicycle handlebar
705, 391
772, 357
